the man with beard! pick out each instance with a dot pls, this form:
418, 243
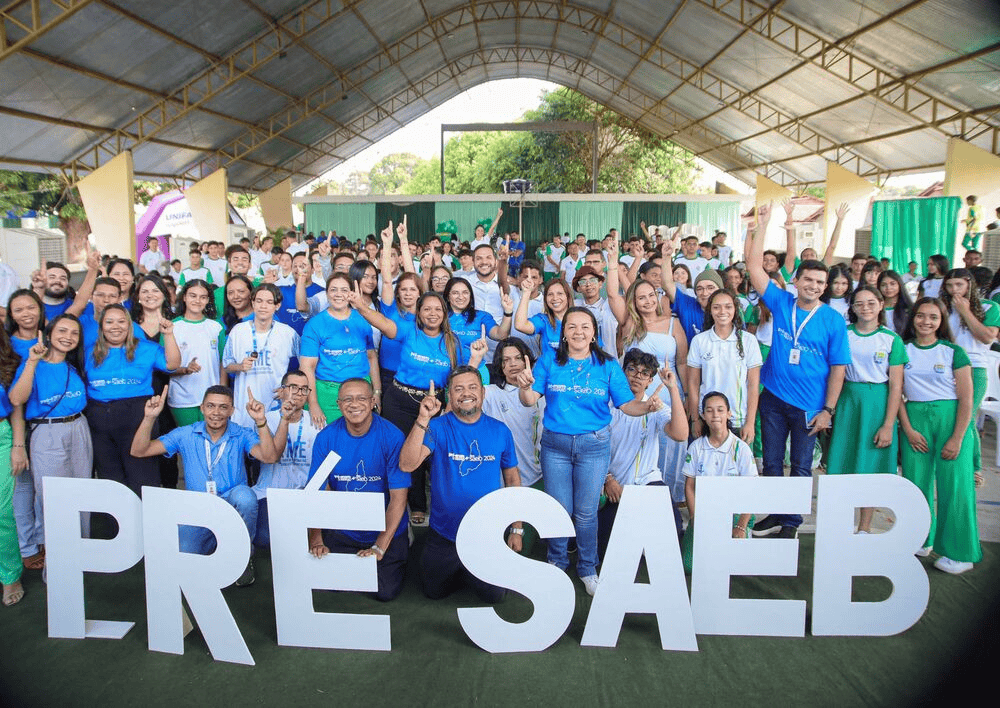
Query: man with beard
51, 283
369, 447
471, 455
485, 286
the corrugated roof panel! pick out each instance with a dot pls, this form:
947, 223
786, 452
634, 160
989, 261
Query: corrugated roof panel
899, 50
822, 89
460, 41
344, 41
391, 21
140, 55
860, 119
385, 84
245, 174
693, 102
810, 169
250, 101
970, 84
201, 130
837, 18
26, 139
653, 80
713, 32
611, 57
310, 131
539, 33
643, 17
274, 152
733, 124
218, 26
923, 147
440, 7
773, 144
751, 61
425, 60
280, 8
298, 73
150, 157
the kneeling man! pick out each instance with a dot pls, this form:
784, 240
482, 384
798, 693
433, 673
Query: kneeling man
369, 448
472, 455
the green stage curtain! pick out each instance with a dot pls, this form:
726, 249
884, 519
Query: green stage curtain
717, 216
419, 218
905, 230
594, 219
541, 222
352, 220
653, 213
466, 215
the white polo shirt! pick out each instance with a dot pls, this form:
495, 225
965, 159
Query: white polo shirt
733, 458
722, 368
635, 446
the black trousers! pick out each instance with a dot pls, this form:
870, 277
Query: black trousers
391, 569
442, 572
400, 408
112, 427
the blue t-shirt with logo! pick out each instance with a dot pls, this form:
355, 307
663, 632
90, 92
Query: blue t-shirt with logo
467, 463
369, 463
690, 313
118, 378
822, 344
341, 346
577, 393
425, 358
390, 350
468, 332
57, 391
547, 332
288, 313
91, 328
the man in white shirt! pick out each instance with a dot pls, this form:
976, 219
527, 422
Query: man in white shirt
725, 252
705, 250
689, 257
262, 255
152, 259
588, 282
553, 258
911, 274
215, 261
531, 273
486, 287
571, 262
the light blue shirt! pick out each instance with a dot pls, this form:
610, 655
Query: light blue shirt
341, 345
118, 378
227, 469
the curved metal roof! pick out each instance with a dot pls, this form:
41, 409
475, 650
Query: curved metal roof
278, 88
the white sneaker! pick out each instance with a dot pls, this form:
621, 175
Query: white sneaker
924, 552
952, 566
590, 583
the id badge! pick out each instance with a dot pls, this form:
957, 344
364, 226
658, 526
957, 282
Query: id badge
211, 488
793, 356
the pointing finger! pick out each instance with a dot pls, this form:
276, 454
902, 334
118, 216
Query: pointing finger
40, 340
431, 389
250, 395
484, 331
656, 393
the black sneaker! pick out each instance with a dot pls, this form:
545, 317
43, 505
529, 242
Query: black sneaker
571, 546
248, 577
787, 532
766, 526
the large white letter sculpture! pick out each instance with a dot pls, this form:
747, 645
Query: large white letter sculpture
644, 526
842, 554
481, 547
68, 555
717, 556
169, 572
297, 573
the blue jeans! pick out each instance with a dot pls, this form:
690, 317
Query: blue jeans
198, 539
574, 467
778, 420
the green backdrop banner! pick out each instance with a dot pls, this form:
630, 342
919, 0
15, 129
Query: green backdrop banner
352, 220
419, 218
541, 222
594, 219
466, 215
653, 213
717, 216
905, 230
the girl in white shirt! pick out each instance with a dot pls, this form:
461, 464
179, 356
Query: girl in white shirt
725, 357
838, 290
200, 339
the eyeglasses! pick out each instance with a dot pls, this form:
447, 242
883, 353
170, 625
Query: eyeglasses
588, 281
355, 399
297, 389
638, 371
441, 279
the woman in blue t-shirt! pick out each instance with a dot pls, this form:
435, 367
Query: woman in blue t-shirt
428, 352
337, 345
466, 321
50, 384
119, 381
556, 299
11, 439
399, 304
25, 320
579, 382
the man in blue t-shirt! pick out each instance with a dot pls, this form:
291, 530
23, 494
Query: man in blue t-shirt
471, 455
213, 451
689, 310
369, 448
803, 374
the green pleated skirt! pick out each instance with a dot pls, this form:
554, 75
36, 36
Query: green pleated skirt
860, 413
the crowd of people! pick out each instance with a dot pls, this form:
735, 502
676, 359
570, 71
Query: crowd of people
461, 368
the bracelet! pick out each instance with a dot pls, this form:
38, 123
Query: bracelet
378, 392
262, 425
377, 549
422, 427
517, 531
18, 446
508, 314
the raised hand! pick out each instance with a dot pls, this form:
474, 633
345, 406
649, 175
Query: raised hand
155, 404
764, 217
789, 208
386, 235
655, 403
271, 275
318, 417
255, 408
429, 407
508, 302
401, 229
842, 211
166, 327
94, 260
38, 349
288, 408
525, 379
668, 378
479, 348
354, 297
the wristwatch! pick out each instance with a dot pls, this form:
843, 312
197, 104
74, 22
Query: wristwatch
829, 410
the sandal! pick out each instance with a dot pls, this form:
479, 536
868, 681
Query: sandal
12, 593
35, 562
418, 518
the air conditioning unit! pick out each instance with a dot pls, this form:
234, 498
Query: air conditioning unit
863, 240
25, 249
990, 245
